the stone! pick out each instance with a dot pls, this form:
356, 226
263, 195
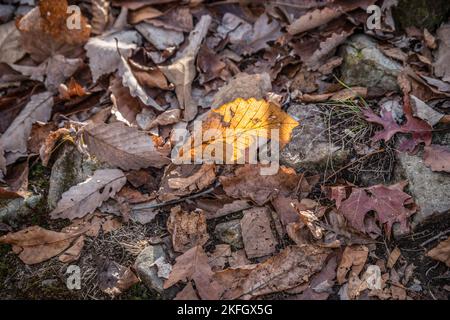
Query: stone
429, 189
230, 232
69, 169
147, 270
309, 148
365, 65
17, 208
421, 13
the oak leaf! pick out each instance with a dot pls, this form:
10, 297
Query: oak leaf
441, 252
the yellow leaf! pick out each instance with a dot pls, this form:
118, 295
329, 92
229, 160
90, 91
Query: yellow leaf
234, 127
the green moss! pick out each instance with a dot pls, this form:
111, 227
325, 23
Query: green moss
421, 13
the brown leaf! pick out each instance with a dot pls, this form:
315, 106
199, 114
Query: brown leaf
45, 30
143, 13
354, 258
100, 15
73, 253
115, 279
257, 233
216, 208
188, 293
161, 38
193, 265
87, 196
35, 244
248, 183
178, 19
218, 258
73, 89
393, 257
14, 140
187, 229
111, 143
290, 268
50, 144
441, 65
437, 157
182, 71
10, 46
125, 104
441, 252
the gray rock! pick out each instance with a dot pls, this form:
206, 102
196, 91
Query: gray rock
17, 208
366, 66
146, 270
69, 169
429, 189
309, 148
230, 232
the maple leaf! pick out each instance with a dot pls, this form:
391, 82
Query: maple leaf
390, 203
437, 157
239, 124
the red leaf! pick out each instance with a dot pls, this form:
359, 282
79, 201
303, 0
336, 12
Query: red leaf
437, 157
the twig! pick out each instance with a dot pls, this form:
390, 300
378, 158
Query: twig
170, 202
436, 237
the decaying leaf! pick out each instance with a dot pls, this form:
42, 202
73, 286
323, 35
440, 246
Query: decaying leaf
10, 46
36, 244
49, 145
441, 252
114, 278
103, 51
229, 131
437, 157
87, 196
161, 38
182, 71
441, 65
290, 268
123, 146
14, 139
354, 258
48, 29
187, 229
257, 234
248, 183
193, 265
100, 15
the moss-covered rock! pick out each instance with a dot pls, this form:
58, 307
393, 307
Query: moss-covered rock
421, 13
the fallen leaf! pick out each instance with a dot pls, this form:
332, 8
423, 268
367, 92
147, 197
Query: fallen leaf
178, 18
257, 234
393, 257
441, 65
425, 112
100, 15
182, 71
73, 253
125, 105
290, 268
354, 258
437, 157
50, 144
248, 183
187, 229
229, 131
115, 279
218, 258
10, 46
143, 13
112, 143
193, 265
188, 293
14, 139
161, 38
87, 196
46, 30
73, 89
441, 252
103, 51
35, 244
390, 203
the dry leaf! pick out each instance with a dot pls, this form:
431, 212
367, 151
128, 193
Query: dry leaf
50, 144
87, 196
115, 279
35, 244
182, 71
193, 265
354, 258
441, 65
103, 51
14, 139
218, 258
188, 293
235, 127
161, 38
290, 268
123, 146
187, 229
45, 30
441, 252
73, 253
125, 106
143, 13
10, 46
100, 15
248, 183
437, 157
393, 257
257, 233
